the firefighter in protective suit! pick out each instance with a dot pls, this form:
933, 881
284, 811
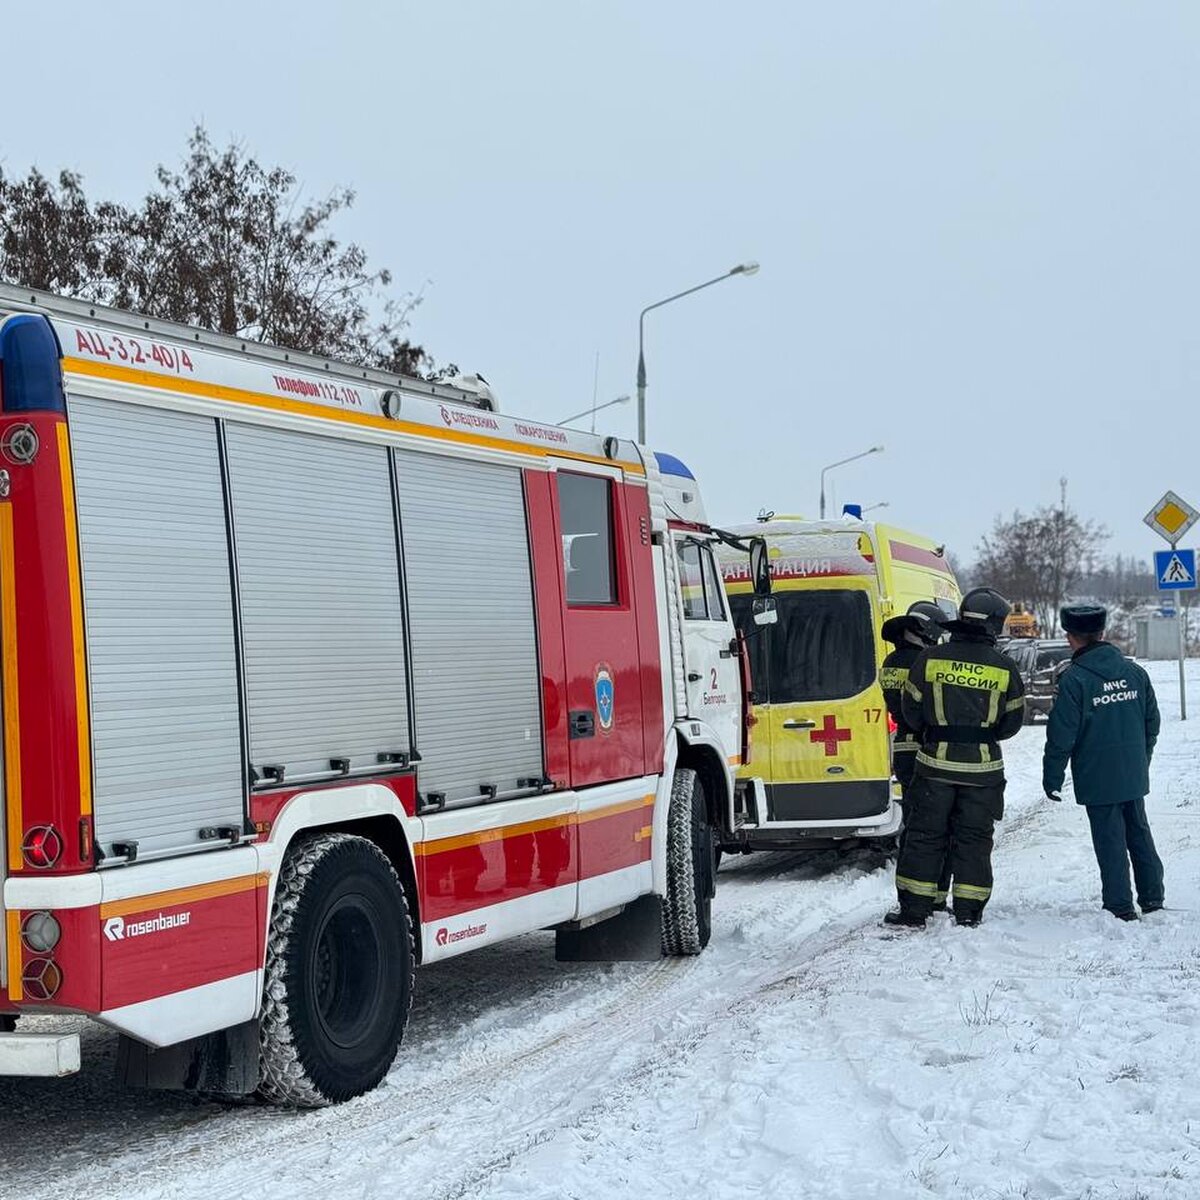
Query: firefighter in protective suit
962, 698
910, 634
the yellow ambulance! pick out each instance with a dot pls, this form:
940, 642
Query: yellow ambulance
822, 737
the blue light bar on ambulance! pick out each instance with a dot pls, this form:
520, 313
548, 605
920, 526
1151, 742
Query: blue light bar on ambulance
30, 374
668, 464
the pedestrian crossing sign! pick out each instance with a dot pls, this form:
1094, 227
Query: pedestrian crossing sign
1176, 569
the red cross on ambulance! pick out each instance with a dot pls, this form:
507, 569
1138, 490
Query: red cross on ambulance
831, 735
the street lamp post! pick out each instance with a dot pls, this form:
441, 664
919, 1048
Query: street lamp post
746, 268
595, 408
841, 463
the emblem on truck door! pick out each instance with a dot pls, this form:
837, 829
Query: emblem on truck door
605, 695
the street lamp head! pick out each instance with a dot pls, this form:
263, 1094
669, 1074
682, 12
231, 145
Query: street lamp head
875, 450
591, 412
746, 268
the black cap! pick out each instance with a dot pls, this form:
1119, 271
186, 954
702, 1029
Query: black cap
1082, 619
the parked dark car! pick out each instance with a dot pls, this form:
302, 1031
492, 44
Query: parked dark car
1041, 662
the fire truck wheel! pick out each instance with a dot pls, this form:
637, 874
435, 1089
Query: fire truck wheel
338, 975
691, 868
7, 1024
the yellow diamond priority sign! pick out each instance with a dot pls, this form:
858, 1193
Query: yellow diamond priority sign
1172, 516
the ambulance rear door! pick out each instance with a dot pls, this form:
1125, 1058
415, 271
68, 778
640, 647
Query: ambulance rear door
825, 719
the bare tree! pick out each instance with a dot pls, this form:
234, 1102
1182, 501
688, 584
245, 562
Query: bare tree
53, 239
1040, 558
224, 243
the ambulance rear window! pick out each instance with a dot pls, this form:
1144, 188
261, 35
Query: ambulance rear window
822, 647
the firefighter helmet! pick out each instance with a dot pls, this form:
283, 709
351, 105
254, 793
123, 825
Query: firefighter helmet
983, 611
935, 615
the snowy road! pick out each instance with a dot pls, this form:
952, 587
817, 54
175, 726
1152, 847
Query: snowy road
1049, 1053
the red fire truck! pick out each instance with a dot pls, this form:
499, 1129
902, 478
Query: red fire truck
311, 675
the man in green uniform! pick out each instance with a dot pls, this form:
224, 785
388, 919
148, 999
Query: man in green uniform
909, 634
962, 698
1105, 721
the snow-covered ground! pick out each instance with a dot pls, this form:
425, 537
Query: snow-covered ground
1052, 1052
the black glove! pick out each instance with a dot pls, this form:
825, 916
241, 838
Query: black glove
1056, 796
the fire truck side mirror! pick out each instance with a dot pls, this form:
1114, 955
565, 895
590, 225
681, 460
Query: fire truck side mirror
760, 566
764, 610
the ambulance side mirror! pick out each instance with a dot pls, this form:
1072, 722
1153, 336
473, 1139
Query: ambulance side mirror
764, 610
760, 567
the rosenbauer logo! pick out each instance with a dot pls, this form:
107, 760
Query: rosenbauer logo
446, 937
117, 929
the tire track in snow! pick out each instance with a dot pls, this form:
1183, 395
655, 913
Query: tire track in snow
501, 1111
128, 1148
776, 914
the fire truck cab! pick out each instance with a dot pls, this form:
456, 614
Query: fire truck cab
313, 674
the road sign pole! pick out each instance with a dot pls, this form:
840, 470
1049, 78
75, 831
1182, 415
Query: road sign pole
1171, 518
1180, 611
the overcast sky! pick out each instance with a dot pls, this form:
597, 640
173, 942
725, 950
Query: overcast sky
977, 222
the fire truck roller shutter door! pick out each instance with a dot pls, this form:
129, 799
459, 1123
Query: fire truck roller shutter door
322, 620
474, 643
160, 625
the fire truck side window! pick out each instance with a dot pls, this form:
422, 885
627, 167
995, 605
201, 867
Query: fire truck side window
712, 583
585, 510
691, 582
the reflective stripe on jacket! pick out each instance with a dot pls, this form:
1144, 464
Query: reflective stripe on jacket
963, 698
893, 675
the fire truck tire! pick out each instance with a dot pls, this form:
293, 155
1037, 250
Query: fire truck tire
339, 973
691, 868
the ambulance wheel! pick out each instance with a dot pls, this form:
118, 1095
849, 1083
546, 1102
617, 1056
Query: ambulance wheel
691, 868
338, 975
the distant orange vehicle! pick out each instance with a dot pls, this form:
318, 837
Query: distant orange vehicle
1021, 623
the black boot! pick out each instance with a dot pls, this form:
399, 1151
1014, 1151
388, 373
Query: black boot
967, 916
900, 916
1126, 916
